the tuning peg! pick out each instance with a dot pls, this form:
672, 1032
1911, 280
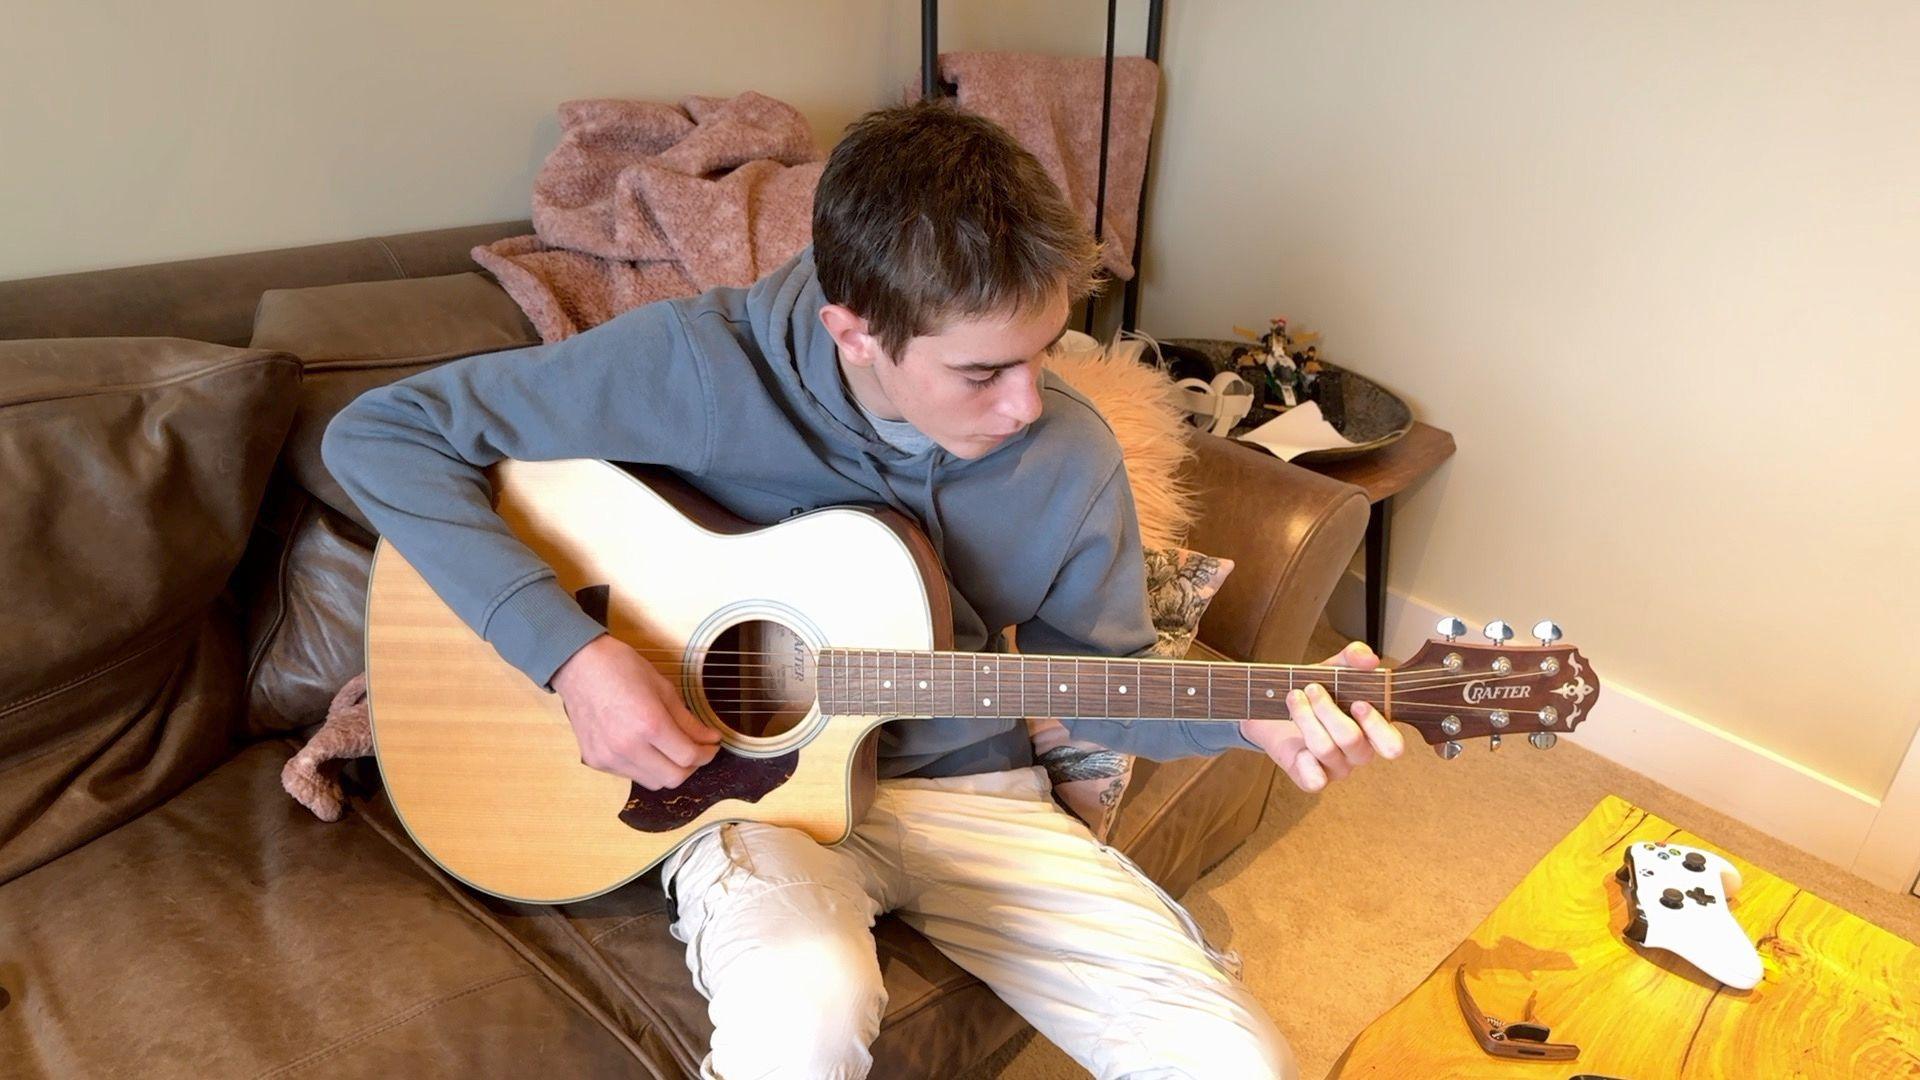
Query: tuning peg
1450, 750
1451, 627
1543, 740
1546, 631
1498, 632
1493, 741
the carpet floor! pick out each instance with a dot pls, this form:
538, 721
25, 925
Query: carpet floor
1341, 904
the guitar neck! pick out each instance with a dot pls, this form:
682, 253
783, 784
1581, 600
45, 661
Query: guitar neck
908, 683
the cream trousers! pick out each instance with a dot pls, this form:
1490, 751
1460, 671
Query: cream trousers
1015, 890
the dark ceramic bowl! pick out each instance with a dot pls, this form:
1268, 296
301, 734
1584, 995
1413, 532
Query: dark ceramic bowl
1358, 408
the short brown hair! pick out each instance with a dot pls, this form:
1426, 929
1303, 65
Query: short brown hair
927, 213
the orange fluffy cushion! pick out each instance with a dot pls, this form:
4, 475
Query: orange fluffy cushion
1137, 399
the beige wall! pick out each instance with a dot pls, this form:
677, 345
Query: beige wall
1656, 266
141, 132
1601, 243
136, 133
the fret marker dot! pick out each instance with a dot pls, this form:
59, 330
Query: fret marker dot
1269, 693
986, 701
888, 684
923, 686
986, 667
1190, 691
1123, 689
1063, 688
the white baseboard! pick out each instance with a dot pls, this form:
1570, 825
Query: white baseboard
1738, 778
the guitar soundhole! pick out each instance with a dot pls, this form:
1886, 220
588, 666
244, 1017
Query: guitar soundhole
758, 677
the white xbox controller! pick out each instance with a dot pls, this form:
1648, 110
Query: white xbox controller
1678, 898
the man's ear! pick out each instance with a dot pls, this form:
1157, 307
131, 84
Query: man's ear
849, 331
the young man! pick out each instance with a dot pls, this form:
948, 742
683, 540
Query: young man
895, 361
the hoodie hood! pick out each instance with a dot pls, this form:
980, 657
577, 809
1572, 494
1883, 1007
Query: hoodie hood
784, 309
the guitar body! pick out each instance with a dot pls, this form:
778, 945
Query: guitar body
482, 766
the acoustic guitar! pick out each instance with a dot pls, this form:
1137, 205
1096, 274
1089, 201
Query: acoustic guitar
795, 641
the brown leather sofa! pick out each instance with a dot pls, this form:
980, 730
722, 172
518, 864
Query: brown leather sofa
180, 593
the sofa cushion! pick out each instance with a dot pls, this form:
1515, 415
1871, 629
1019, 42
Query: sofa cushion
352, 338
306, 590
228, 933
132, 469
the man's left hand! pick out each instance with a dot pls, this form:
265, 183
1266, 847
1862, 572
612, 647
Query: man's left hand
1323, 742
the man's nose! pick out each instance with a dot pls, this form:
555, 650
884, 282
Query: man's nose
1022, 402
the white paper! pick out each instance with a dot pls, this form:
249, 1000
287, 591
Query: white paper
1297, 431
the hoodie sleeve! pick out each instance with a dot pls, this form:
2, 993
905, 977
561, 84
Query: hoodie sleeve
1098, 607
411, 456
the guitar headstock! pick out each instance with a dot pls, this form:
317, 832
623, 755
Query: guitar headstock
1452, 690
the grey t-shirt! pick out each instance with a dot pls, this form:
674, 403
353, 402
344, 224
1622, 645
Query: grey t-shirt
897, 433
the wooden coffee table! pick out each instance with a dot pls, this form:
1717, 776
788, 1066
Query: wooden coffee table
1840, 996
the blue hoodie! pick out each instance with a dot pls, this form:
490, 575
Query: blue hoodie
739, 391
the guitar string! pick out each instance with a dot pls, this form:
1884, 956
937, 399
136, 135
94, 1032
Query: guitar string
1404, 677
1377, 682
868, 687
766, 705
1411, 721
952, 688
853, 652
949, 688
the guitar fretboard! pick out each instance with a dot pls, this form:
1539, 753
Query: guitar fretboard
900, 683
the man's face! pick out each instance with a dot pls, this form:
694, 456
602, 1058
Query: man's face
968, 388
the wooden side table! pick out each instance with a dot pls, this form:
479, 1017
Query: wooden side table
1839, 997
1383, 474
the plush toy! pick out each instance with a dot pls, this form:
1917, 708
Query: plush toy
348, 733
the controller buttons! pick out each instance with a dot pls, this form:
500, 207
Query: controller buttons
1694, 861
1699, 896
1672, 898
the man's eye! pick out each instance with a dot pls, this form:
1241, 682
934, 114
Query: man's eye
991, 376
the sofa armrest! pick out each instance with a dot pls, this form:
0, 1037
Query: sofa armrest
1289, 531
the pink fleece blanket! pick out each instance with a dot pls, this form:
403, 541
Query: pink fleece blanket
1052, 105
643, 201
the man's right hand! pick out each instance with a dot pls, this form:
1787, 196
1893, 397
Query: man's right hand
629, 719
